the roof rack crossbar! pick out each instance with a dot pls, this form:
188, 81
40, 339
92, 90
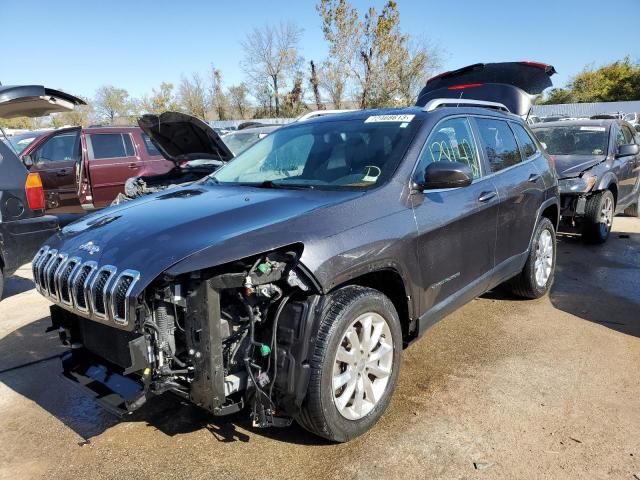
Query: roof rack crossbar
440, 102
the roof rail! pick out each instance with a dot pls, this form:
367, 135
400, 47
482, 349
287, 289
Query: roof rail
439, 102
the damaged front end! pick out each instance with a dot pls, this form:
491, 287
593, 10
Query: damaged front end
222, 338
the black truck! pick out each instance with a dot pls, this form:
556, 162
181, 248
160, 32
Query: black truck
289, 281
23, 223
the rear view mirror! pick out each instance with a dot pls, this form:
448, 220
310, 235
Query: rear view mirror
28, 161
627, 150
446, 175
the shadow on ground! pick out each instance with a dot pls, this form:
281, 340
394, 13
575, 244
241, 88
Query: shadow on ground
30, 366
15, 285
600, 283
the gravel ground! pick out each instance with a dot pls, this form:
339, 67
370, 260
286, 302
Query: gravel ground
502, 388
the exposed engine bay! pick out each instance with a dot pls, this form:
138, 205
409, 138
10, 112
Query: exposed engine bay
225, 338
193, 171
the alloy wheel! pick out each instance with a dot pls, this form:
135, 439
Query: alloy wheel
544, 258
606, 215
362, 366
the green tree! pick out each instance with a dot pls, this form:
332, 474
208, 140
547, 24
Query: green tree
239, 99
161, 100
111, 102
558, 95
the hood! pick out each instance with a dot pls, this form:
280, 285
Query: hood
34, 101
569, 166
155, 232
514, 84
181, 137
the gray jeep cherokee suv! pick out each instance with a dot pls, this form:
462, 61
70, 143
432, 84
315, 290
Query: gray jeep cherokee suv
290, 280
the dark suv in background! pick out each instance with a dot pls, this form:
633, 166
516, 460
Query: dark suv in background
598, 162
290, 280
23, 224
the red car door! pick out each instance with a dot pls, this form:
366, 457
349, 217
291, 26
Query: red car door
55, 161
111, 160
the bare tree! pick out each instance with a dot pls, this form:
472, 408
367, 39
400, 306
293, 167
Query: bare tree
271, 54
193, 96
238, 97
111, 102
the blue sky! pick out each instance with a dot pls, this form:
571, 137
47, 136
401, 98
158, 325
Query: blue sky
79, 46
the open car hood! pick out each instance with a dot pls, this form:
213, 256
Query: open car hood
513, 84
34, 101
181, 137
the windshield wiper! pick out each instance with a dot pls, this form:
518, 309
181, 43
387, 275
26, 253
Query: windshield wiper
272, 184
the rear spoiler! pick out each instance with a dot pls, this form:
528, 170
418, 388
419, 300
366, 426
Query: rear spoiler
513, 84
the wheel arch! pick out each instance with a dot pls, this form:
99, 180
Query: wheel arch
390, 282
608, 182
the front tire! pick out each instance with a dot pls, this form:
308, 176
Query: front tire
536, 278
598, 218
355, 364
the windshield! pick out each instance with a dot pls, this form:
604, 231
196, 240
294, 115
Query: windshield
344, 154
237, 142
574, 140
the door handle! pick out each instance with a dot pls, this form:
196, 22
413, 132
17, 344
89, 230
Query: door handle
61, 173
134, 165
486, 196
534, 177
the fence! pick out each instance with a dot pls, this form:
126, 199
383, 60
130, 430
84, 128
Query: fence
586, 109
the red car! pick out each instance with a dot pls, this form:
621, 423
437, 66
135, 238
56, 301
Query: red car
86, 168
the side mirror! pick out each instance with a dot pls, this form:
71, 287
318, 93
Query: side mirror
28, 161
627, 150
446, 175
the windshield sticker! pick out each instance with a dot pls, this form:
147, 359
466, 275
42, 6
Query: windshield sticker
389, 118
593, 129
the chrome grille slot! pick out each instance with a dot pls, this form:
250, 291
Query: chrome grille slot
35, 263
51, 274
120, 292
44, 275
64, 277
79, 285
98, 290
42, 265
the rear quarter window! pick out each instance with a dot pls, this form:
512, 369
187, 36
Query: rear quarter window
527, 145
151, 148
499, 143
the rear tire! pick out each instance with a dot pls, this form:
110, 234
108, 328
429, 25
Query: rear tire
366, 373
536, 278
598, 218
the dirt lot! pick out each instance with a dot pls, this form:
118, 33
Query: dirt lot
501, 389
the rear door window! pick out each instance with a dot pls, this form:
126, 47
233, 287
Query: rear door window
450, 141
499, 144
109, 145
527, 145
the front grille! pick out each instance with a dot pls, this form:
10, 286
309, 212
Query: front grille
101, 294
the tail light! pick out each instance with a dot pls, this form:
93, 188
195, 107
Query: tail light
35, 192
